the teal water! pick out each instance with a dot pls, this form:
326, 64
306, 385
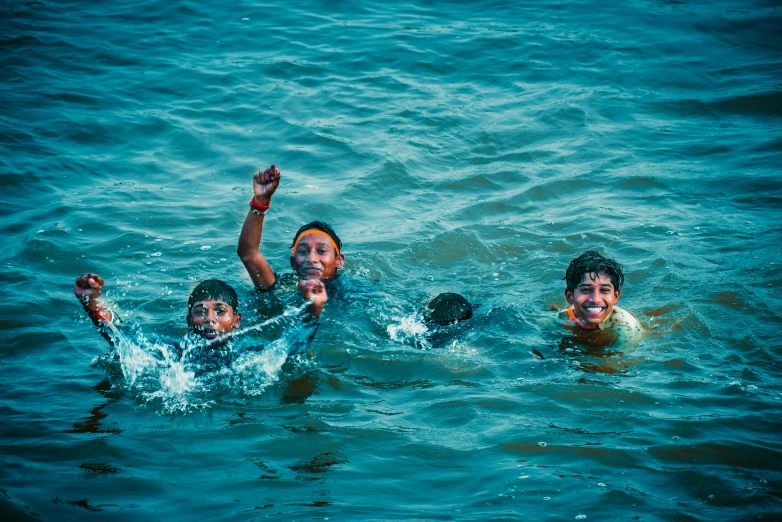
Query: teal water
470, 147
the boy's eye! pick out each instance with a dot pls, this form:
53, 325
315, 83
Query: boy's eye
219, 311
322, 251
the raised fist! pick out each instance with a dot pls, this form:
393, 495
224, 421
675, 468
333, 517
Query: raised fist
88, 286
265, 183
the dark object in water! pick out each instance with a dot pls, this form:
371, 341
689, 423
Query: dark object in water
448, 308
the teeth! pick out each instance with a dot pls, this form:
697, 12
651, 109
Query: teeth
594, 309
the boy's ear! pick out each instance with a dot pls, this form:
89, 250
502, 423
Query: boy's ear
237, 321
293, 263
569, 296
616, 294
189, 322
340, 261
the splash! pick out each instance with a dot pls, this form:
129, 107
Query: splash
185, 375
410, 329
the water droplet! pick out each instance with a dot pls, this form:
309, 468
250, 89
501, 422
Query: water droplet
697, 228
523, 477
495, 274
546, 498
580, 517
675, 437
542, 444
711, 496
601, 484
157, 254
670, 232
205, 247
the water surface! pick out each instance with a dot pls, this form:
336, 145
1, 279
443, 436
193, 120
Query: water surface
474, 148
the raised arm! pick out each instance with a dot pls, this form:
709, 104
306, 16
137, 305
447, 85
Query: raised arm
264, 185
87, 289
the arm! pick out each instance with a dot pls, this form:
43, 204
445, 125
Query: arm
313, 291
87, 289
264, 185
298, 339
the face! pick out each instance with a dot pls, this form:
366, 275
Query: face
213, 318
316, 258
593, 300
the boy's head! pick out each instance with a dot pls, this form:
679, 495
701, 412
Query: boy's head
317, 252
213, 309
593, 284
448, 308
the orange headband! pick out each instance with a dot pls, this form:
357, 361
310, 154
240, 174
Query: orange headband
315, 231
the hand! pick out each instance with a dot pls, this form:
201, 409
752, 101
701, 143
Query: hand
265, 183
88, 286
314, 291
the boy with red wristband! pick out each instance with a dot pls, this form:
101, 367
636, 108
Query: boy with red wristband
316, 255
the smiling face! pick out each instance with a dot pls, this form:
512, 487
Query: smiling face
212, 318
316, 258
594, 298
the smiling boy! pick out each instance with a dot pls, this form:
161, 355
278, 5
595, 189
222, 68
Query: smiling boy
593, 285
316, 254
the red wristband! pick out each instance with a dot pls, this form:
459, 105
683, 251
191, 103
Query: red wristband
101, 313
258, 209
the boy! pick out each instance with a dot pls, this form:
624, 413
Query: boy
448, 308
593, 285
316, 247
212, 312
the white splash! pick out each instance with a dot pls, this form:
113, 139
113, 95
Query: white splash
179, 384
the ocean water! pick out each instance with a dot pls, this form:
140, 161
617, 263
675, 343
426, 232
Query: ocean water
469, 147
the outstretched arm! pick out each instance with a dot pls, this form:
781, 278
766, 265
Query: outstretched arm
264, 185
87, 289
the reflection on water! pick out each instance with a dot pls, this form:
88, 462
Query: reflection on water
92, 424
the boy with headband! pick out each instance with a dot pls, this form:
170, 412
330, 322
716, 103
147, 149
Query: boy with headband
316, 254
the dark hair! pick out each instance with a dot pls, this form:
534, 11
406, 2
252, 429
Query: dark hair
448, 308
323, 227
213, 289
593, 263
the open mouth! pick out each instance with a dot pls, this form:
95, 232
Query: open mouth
311, 273
594, 309
210, 333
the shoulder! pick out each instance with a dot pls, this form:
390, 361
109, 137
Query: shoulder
620, 319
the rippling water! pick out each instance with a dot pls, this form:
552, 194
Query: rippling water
470, 147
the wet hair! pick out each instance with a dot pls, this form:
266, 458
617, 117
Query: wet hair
448, 308
213, 289
593, 263
323, 227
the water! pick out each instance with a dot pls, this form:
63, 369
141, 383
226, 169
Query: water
474, 148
